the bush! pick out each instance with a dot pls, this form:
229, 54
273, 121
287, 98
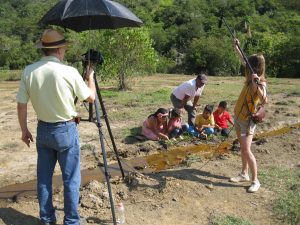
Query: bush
10, 75
165, 65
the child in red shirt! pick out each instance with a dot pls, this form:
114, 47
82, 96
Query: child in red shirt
221, 117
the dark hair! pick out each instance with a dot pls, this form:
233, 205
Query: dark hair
175, 113
202, 77
160, 110
223, 104
208, 108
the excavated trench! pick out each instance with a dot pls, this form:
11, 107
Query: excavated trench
146, 164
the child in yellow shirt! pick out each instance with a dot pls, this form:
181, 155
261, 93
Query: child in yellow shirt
205, 122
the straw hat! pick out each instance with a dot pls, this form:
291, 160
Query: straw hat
52, 39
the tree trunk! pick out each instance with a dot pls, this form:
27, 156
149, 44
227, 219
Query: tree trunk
122, 81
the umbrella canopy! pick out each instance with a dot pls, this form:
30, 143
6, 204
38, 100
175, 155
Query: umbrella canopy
80, 15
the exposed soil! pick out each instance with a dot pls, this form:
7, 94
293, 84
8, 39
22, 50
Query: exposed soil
193, 193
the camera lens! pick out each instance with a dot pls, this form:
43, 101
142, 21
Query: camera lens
93, 56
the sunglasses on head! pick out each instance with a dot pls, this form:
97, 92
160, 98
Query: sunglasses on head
162, 115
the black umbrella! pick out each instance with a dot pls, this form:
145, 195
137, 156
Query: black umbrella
81, 15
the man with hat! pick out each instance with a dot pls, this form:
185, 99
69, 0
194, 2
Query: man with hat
183, 95
52, 87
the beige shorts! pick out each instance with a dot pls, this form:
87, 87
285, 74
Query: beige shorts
244, 127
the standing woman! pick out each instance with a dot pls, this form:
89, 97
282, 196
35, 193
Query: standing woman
252, 94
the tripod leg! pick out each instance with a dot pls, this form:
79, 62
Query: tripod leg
90, 112
99, 125
108, 126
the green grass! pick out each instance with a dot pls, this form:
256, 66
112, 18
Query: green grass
110, 93
132, 131
286, 185
152, 92
148, 93
87, 147
281, 103
279, 85
145, 97
10, 75
230, 220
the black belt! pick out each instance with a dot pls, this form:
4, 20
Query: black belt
67, 121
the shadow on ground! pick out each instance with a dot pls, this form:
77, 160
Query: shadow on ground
195, 175
135, 136
13, 217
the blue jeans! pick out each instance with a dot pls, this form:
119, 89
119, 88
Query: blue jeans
58, 142
192, 130
176, 132
224, 131
209, 130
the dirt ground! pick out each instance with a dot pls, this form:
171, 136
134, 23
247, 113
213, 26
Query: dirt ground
194, 194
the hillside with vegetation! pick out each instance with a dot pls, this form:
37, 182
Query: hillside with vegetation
178, 36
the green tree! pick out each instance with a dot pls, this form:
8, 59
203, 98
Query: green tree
176, 26
127, 53
269, 45
213, 56
286, 58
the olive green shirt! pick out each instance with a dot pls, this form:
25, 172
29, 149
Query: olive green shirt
51, 87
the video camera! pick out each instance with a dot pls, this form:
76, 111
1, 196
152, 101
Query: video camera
92, 56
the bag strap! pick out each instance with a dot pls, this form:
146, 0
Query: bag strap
264, 96
252, 100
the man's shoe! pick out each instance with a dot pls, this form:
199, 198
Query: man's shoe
51, 223
254, 186
240, 178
